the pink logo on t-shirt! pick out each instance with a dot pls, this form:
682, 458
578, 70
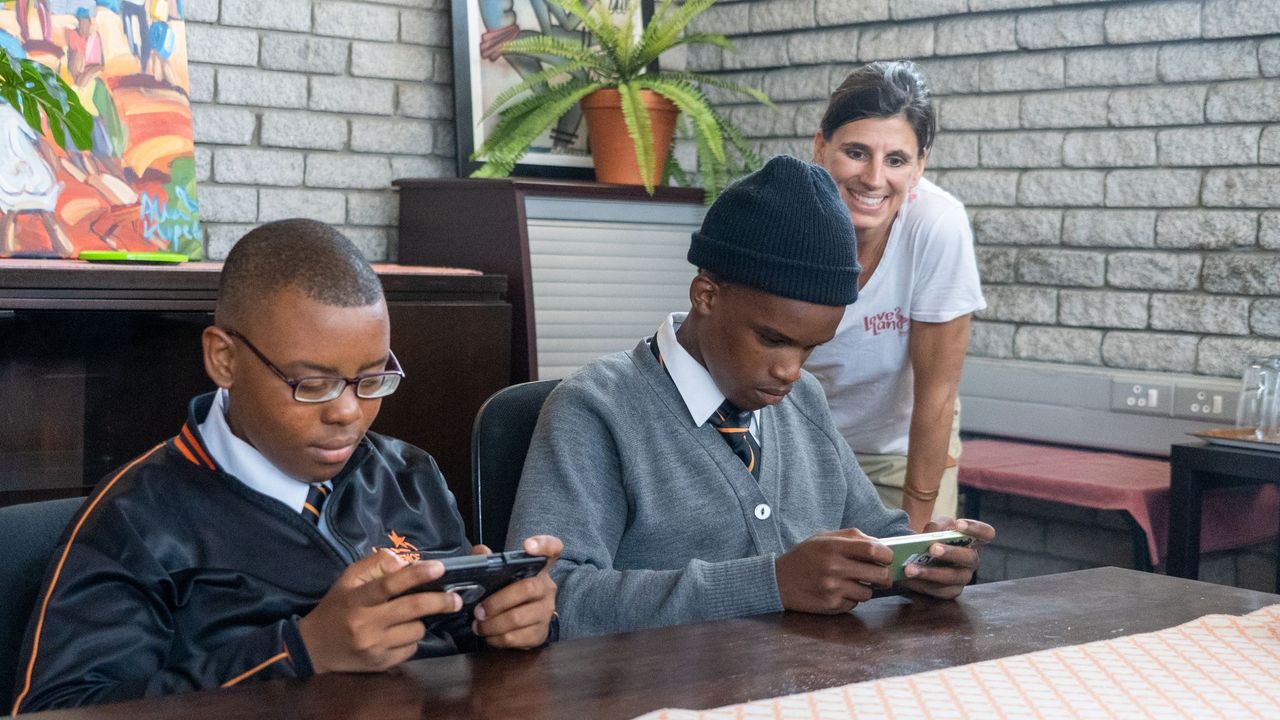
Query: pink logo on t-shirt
886, 321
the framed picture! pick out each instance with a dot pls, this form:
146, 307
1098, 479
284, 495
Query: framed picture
134, 188
481, 72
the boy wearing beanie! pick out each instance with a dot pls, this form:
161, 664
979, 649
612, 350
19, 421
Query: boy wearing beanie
699, 475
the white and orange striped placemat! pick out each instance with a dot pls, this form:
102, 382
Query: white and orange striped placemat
1219, 666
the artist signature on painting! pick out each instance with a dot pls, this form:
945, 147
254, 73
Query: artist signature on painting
165, 223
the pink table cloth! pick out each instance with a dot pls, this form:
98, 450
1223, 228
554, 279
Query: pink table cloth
1231, 518
1219, 666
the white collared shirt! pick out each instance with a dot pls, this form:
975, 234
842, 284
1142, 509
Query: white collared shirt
693, 382
243, 461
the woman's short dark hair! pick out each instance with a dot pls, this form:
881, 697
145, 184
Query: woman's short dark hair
880, 90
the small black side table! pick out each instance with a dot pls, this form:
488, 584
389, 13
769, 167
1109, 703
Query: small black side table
1194, 467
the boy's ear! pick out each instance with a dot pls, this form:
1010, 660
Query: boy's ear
702, 293
219, 356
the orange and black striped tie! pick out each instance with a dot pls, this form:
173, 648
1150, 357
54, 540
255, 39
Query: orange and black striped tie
735, 427
315, 501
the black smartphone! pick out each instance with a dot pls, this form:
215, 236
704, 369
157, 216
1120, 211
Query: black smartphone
475, 577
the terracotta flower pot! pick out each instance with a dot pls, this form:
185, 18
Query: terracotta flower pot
612, 151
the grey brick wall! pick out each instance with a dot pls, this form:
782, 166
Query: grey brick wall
311, 107
1120, 160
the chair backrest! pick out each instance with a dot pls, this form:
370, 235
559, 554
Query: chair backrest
499, 442
28, 536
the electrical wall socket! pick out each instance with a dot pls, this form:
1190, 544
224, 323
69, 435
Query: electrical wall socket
1203, 403
1141, 397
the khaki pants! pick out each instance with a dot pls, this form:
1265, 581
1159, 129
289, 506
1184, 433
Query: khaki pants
889, 472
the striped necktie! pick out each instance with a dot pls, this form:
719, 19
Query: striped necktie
735, 427
734, 424
315, 501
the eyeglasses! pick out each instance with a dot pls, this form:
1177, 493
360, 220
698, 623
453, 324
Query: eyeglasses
318, 389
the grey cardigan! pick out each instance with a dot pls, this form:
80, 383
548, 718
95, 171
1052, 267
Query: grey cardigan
661, 522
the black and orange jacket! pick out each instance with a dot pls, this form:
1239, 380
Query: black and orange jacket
176, 576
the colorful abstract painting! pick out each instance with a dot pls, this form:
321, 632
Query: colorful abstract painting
134, 189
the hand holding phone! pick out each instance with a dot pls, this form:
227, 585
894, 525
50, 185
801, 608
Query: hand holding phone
951, 570
365, 622
914, 549
832, 572
475, 577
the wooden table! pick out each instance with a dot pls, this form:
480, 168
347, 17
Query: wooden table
720, 663
1195, 467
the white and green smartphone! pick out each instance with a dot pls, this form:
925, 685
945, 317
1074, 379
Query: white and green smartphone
915, 549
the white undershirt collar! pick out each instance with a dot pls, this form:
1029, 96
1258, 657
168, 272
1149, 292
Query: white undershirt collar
693, 382
243, 461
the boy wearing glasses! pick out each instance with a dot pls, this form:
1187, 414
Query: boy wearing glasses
273, 536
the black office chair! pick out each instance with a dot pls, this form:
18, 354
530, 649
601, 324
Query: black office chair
28, 536
499, 442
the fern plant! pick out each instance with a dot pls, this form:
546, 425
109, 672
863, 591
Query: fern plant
621, 61
35, 90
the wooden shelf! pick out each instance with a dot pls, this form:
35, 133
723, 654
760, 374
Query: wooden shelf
483, 224
97, 363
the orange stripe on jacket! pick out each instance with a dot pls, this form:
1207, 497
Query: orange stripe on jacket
251, 671
57, 572
181, 444
195, 444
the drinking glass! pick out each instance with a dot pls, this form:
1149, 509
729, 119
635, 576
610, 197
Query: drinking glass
1259, 407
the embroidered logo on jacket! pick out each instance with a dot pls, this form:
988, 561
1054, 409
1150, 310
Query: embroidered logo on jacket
401, 546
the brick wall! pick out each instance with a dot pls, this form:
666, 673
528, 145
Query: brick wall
1120, 160
311, 107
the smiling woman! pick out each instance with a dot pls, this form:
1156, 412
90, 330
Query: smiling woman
892, 370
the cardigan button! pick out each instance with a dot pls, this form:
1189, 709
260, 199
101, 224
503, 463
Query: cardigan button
763, 512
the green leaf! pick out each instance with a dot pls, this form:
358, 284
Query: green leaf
664, 31
546, 46
672, 173
38, 93
599, 22
750, 160
636, 116
699, 79
519, 126
531, 81
693, 104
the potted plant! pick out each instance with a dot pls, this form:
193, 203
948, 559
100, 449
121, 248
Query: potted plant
33, 90
614, 81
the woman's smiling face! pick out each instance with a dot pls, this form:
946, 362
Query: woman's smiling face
875, 163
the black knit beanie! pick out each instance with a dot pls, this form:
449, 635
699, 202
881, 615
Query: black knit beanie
784, 230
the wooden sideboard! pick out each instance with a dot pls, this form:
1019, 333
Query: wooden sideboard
484, 224
97, 363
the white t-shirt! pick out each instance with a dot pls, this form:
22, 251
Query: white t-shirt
928, 273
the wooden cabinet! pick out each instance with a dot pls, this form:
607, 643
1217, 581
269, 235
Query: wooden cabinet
609, 256
97, 364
